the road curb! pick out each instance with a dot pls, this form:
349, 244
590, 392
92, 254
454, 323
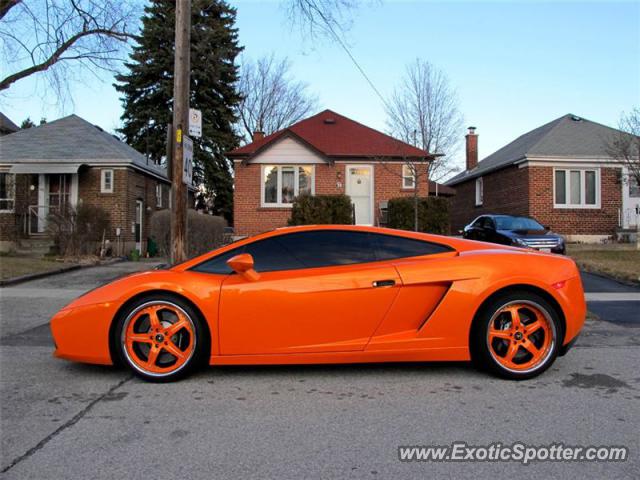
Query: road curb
35, 276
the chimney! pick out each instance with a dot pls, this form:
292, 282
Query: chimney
257, 135
472, 148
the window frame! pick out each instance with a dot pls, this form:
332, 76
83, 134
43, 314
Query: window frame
158, 195
583, 188
296, 183
10, 187
103, 183
408, 173
479, 196
371, 240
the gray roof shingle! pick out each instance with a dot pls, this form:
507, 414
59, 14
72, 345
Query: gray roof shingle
6, 125
71, 140
567, 136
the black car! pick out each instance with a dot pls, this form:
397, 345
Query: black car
515, 231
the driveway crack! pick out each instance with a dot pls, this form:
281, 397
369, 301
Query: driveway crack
75, 419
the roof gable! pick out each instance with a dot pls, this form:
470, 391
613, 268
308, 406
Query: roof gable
70, 139
567, 136
334, 135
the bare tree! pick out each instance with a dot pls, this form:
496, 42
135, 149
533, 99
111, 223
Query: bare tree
423, 111
322, 17
271, 98
61, 37
624, 146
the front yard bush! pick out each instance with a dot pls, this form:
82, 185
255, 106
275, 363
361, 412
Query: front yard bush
433, 214
204, 232
78, 231
321, 210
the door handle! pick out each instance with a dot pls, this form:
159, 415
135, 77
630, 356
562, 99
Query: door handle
384, 283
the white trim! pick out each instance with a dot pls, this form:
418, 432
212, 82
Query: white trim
74, 190
139, 244
103, 175
371, 187
409, 175
583, 191
479, 192
287, 151
158, 195
296, 179
12, 197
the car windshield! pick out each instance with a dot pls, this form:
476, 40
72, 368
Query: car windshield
517, 223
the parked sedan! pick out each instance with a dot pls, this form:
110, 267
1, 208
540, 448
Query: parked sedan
516, 231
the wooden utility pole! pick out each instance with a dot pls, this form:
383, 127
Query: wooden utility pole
180, 129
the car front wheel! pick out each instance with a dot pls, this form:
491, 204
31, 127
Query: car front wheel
161, 338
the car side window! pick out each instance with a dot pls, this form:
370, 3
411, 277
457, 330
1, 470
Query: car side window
324, 248
218, 264
389, 247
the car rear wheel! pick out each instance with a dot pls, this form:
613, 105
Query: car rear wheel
161, 338
516, 336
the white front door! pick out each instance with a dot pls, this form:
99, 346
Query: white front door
630, 201
360, 189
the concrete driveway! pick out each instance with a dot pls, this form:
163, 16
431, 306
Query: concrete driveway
66, 420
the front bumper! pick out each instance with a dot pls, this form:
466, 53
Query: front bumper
81, 334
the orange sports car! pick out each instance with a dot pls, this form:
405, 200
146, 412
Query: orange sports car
333, 294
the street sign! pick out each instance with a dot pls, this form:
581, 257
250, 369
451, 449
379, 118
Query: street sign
195, 122
187, 160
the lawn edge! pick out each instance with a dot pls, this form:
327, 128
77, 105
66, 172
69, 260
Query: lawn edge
35, 276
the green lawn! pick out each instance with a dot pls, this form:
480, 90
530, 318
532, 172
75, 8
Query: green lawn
620, 261
11, 267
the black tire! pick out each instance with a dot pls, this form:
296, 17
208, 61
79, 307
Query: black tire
485, 351
195, 356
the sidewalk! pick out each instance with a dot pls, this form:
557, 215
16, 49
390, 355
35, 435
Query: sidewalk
612, 301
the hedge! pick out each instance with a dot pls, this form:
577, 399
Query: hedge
433, 214
204, 232
321, 210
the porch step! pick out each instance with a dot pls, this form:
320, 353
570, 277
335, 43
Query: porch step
626, 235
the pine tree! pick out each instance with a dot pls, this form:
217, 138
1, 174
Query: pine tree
147, 90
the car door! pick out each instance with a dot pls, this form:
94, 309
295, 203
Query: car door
318, 291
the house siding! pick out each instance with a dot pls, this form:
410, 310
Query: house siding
505, 191
529, 191
602, 221
250, 218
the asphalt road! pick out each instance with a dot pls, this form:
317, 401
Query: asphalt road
64, 420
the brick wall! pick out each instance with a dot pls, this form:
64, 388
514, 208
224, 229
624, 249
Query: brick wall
505, 191
579, 221
251, 219
529, 191
128, 186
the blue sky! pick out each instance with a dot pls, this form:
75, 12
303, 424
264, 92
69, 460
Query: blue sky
515, 65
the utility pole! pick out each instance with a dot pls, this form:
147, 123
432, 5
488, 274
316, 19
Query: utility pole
180, 126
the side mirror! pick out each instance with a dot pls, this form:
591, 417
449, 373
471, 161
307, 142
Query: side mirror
243, 265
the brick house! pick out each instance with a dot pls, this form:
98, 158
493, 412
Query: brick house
324, 154
69, 162
559, 173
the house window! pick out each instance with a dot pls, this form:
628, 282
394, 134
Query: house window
106, 181
159, 195
479, 191
408, 176
282, 183
578, 188
7, 191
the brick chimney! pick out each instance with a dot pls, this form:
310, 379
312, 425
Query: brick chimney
472, 148
257, 135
